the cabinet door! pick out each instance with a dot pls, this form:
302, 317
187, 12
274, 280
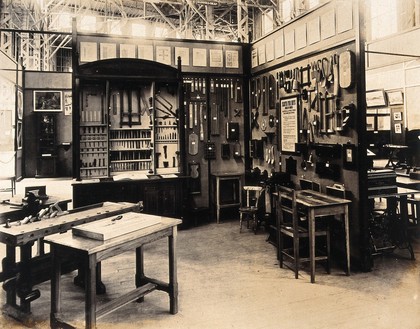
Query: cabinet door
168, 201
151, 199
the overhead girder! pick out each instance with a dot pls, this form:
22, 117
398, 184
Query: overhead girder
179, 16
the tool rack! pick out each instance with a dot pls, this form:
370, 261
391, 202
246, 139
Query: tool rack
127, 118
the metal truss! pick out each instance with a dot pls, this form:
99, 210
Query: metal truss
21, 20
198, 19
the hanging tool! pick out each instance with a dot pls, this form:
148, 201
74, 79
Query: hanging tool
191, 116
201, 123
195, 115
166, 105
335, 73
165, 151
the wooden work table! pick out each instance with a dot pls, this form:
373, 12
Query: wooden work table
317, 204
20, 277
91, 251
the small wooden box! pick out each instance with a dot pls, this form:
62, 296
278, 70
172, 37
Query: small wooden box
115, 226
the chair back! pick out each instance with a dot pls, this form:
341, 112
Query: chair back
288, 214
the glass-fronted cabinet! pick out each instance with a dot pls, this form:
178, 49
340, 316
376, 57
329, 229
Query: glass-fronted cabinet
47, 148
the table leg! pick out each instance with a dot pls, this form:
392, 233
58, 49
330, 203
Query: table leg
140, 270
347, 234
55, 286
173, 280
404, 223
9, 264
24, 281
311, 218
90, 293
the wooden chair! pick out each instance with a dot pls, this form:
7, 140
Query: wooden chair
253, 205
290, 224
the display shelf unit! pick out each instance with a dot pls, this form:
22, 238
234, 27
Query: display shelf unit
128, 118
93, 150
130, 149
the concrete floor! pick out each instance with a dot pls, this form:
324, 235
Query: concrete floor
232, 280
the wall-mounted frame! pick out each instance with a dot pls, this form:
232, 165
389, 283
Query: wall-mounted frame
19, 134
375, 98
47, 101
397, 116
395, 97
305, 79
289, 108
349, 156
19, 103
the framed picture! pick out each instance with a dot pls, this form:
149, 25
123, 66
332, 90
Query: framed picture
397, 116
375, 98
395, 97
19, 136
200, 57
216, 58
19, 103
289, 107
48, 101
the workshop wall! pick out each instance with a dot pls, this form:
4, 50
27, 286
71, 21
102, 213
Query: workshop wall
305, 106
47, 81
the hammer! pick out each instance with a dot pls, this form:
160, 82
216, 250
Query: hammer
165, 151
157, 159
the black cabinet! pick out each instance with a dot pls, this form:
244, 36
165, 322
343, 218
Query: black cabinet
160, 196
46, 145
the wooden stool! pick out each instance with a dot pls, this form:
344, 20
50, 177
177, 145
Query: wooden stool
12, 187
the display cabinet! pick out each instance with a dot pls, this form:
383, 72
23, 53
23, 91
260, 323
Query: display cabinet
127, 118
46, 150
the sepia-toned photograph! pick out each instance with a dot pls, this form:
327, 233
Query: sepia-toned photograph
203, 164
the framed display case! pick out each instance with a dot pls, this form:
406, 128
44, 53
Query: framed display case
128, 119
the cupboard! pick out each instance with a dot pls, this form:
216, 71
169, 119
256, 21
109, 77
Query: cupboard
127, 117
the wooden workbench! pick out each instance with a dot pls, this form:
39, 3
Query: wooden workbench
20, 277
91, 251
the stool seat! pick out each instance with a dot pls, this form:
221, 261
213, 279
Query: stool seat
252, 206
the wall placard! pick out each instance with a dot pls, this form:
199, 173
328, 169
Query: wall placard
289, 123
232, 59
279, 46
314, 32
145, 52
199, 57
88, 51
289, 42
184, 53
216, 58
163, 55
127, 50
107, 50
